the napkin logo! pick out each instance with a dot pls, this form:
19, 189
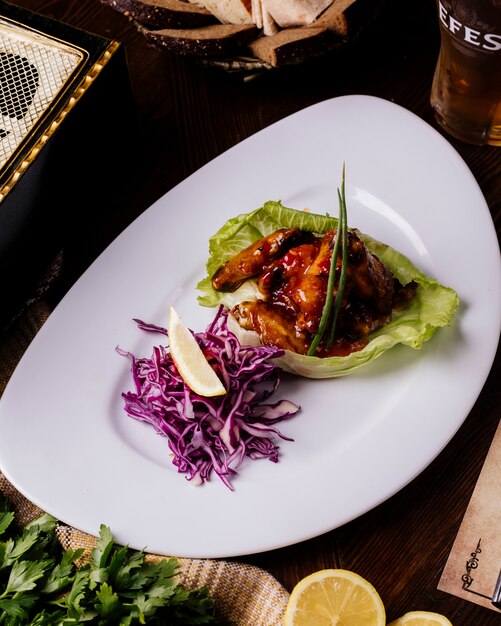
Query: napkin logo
462, 21
468, 579
471, 564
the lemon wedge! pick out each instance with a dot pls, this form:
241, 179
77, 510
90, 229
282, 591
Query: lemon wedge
190, 360
421, 618
334, 596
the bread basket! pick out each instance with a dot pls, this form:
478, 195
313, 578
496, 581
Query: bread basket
248, 35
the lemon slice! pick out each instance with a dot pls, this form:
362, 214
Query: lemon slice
334, 596
190, 360
421, 618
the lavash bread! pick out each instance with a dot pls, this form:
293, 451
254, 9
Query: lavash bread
164, 13
257, 13
262, 18
291, 13
229, 11
270, 27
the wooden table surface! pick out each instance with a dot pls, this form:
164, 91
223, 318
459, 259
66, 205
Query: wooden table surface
189, 114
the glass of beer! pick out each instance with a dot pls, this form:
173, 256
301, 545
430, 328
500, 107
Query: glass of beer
466, 90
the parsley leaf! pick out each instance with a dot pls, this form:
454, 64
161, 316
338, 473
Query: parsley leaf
6, 518
107, 602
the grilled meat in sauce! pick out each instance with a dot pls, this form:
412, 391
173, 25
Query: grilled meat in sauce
292, 270
250, 261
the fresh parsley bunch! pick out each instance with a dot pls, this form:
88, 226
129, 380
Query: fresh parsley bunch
41, 584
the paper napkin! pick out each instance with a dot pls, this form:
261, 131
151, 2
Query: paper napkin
473, 569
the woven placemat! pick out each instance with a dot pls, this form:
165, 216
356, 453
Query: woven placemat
245, 595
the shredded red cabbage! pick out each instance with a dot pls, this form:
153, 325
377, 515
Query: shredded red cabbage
211, 434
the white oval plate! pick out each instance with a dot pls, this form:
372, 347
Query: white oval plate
66, 443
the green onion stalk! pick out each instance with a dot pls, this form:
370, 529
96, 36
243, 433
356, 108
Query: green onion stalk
340, 239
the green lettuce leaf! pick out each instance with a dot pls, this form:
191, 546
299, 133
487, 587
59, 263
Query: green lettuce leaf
433, 306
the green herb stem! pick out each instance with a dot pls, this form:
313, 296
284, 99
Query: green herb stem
341, 239
344, 265
328, 298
